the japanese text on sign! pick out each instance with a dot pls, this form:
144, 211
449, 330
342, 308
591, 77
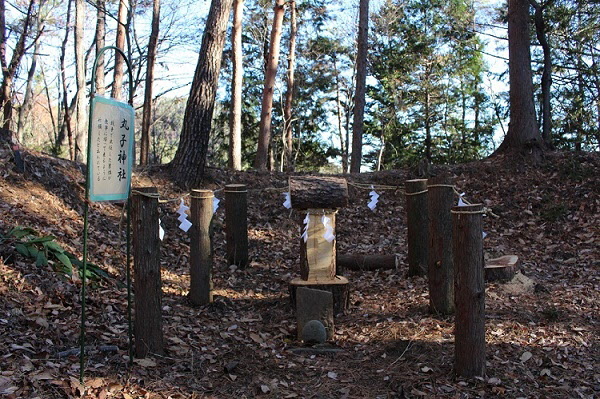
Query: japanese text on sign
111, 150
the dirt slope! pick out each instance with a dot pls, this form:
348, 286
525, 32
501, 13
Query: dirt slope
540, 343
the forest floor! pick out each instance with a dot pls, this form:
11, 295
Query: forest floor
542, 339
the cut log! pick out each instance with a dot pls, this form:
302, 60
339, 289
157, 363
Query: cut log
366, 262
318, 192
338, 286
502, 268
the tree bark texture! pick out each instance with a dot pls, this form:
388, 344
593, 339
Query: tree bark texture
417, 221
235, 121
201, 260
117, 87
9, 70
190, 158
358, 262
291, 88
264, 134
66, 125
321, 192
317, 255
100, 43
146, 270
469, 339
236, 224
148, 102
540, 30
361, 85
80, 102
523, 132
440, 262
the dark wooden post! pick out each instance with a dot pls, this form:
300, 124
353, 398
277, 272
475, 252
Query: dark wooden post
469, 340
236, 224
146, 271
201, 213
417, 220
440, 271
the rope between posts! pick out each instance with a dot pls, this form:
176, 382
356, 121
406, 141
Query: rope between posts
417, 193
481, 212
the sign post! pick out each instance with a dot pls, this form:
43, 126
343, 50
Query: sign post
111, 127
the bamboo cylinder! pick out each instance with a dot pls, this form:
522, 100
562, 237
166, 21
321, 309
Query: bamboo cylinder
201, 212
469, 338
417, 220
146, 270
440, 271
236, 224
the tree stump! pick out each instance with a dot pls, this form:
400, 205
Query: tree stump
201, 213
146, 270
440, 271
417, 221
469, 338
318, 192
502, 268
338, 287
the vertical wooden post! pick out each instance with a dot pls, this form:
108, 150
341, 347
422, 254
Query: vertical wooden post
469, 337
440, 271
146, 270
201, 212
417, 220
236, 224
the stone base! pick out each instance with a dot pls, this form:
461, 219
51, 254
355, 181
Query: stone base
338, 286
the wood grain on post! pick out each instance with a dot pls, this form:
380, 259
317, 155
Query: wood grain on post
469, 293
323, 192
146, 271
440, 271
317, 255
236, 224
417, 220
201, 213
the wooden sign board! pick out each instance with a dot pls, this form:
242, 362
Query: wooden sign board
110, 155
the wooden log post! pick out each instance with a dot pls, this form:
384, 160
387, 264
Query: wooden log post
469, 337
360, 262
440, 270
316, 198
201, 213
236, 224
146, 271
417, 218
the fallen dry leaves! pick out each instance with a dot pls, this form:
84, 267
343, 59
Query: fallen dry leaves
541, 341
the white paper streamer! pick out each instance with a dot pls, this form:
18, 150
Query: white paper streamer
161, 231
484, 234
374, 199
460, 200
215, 204
185, 223
288, 200
306, 222
328, 235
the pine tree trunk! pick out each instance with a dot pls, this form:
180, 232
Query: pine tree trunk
523, 132
148, 103
540, 30
190, 157
100, 43
235, 121
264, 134
120, 43
361, 81
291, 87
